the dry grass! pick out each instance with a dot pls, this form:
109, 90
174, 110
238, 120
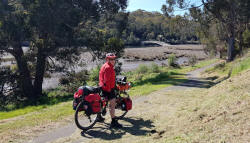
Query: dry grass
219, 114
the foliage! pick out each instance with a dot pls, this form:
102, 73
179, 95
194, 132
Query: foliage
220, 22
142, 69
132, 40
143, 25
172, 61
192, 60
72, 81
146, 84
242, 65
154, 68
246, 37
9, 79
55, 30
115, 45
237, 66
94, 74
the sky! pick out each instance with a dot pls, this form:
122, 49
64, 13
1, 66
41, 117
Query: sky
151, 5
148, 5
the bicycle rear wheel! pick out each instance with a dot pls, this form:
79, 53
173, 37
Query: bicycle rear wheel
83, 121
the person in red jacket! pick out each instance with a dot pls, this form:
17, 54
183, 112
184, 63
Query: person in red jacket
107, 83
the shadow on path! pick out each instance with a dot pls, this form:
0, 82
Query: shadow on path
197, 83
136, 127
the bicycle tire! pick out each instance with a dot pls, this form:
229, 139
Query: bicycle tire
84, 119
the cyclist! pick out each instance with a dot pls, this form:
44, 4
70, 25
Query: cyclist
107, 83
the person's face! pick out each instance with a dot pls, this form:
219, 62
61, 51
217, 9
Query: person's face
112, 61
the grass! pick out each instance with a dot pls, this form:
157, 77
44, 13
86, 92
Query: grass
143, 84
145, 81
51, 98
39, 118
219, 114
154, 81
242, 65
235, 67
18, 112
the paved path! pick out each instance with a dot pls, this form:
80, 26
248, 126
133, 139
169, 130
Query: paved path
66, 131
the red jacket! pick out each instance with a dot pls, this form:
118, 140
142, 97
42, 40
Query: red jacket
107, 77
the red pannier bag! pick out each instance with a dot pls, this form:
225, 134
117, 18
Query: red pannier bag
77, 96
128, 103
94, 101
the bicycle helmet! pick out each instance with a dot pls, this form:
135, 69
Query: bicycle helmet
110, 56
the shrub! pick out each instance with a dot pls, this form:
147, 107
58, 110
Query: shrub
154, 68
138, 77
192, 60
142, 69
64, 81
81, 76
246, 37
94, 74
172, 61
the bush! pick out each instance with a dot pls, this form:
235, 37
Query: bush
64, 81
154, 68
246, 38
10, 92
142, 69
72, 81
192, 60
172, 61
94, 74
81, 76
138, 77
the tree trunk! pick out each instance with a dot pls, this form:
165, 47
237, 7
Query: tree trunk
230, 49
40, 70
25, 78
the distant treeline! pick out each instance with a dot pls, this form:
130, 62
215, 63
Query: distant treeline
143, 25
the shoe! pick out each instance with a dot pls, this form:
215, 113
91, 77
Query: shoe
115, 124
100, 118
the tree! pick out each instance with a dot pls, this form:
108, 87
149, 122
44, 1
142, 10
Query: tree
233, 15
51, 27
154, 26
13, 31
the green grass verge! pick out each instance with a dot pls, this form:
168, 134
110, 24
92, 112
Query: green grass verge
40, 117
237, 66
143, 83
51, 98
242, 65
18, 112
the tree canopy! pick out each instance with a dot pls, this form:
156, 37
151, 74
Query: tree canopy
54, 30
143, 25
220, 22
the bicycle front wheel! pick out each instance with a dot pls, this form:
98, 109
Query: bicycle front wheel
83, 121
